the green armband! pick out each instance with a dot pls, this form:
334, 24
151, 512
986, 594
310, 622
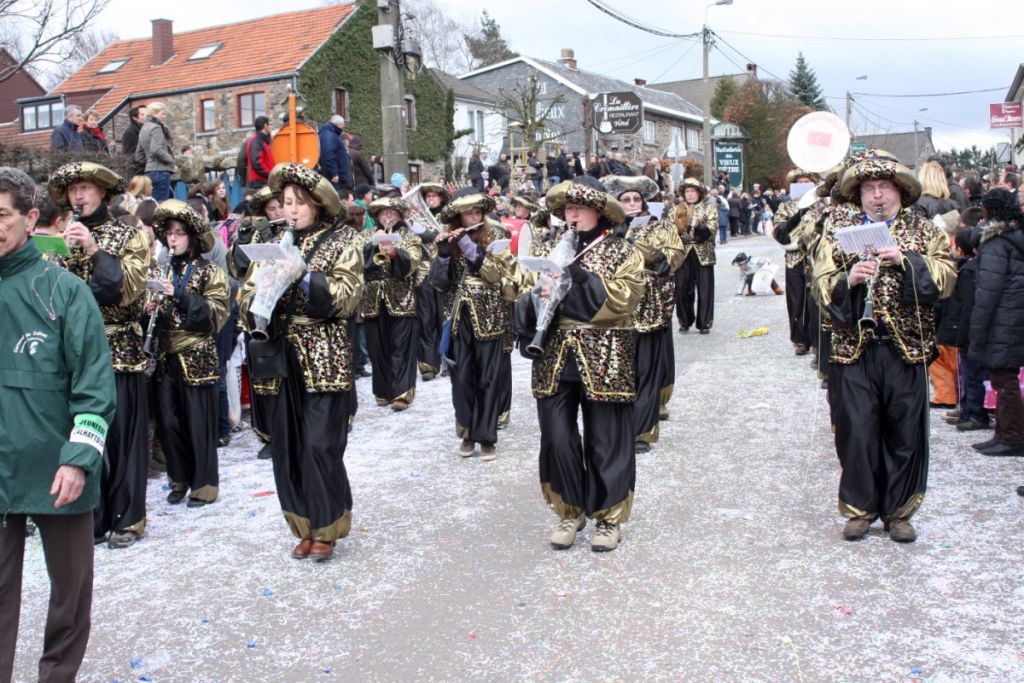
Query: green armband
91, 430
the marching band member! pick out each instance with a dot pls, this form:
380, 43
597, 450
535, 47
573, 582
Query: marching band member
479, 286
881, 421
428, 305
310, 320
197, 303
389, 303
662, 252
797, 284
588, 366
113, 259
696, 223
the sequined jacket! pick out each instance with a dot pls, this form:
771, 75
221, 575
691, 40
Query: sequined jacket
595, 324
392, 280
194, 314
904, 296
318, 333
794, 255
484, 290
662, 251
116, 274
707, 215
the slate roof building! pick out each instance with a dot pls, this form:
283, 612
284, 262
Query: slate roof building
912, 148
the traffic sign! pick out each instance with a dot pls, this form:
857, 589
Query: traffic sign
858, 147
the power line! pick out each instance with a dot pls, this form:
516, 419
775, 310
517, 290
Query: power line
662, 46
638, 24
751, 61
933, 94
672, 66
637, 61
866, 39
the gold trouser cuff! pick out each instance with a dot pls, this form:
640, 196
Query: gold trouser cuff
618, 513
207, 494
265, 438
300, 527
556, 503
461, 432
909, 508
138, 528
179, 486
648, 437
504, 418
407, 396
666, 395
427, 367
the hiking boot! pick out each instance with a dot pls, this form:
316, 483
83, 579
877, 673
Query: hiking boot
984, 445
487, 452
606, 538
122, 539
565, 533
856, 528
467, 448
901, 531
971, 425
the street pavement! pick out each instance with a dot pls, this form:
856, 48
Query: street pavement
732, 567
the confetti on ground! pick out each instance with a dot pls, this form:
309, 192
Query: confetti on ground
262, 494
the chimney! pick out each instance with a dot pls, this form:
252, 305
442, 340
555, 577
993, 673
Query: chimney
640, 81
163, 41
568, 58
752, 71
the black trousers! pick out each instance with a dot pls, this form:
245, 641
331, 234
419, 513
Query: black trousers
796, 305
122, 505
505, 384
881, 434
694, 280
310, 436
668, 365
68, 550
429, 329
262, 410
477, 384
391, 345
650, 383
186, 423
594, 475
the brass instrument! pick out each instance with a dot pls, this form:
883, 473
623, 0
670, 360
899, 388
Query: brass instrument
151, 343
867, 322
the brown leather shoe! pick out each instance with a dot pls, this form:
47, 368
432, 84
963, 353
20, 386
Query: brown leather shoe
321, 551
399, 404
301, 551
856, 528
901, 531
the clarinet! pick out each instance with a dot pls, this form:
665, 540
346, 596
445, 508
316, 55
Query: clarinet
867, 322
76, 215
151, 344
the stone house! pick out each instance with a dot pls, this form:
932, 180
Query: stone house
666, 115
215, 82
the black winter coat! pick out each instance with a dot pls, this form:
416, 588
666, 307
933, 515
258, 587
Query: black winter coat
955, 312
997, 321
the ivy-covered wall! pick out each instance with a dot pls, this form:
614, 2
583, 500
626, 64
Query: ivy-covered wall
348, 60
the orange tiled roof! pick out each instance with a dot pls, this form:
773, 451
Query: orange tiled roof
266, 46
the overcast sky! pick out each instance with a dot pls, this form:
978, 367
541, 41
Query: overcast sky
929, 47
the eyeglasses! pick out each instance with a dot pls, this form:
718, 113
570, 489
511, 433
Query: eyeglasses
631, 200
176, 233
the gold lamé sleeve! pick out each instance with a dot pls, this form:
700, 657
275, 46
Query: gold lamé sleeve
826, 272
940, 264
413, 246
785, 212
346, 279
218, 297
134, 267
671, 246
623, 290
709, 216
502, 269
649, 246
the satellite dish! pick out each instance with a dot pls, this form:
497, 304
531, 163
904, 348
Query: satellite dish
818, 141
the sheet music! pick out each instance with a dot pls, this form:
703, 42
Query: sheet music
656, 209
268, 251
639, 221
498, 246
380, 237
539, 264
859, 239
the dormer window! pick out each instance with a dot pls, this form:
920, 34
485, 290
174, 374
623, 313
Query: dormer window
204, 52
113, 66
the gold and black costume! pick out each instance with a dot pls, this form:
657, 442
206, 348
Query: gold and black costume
389, 310
881, 421
116, 274
478, 288
312, 401
696, 225
429, 307
588, 366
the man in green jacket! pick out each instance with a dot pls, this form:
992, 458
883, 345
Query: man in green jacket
57, 399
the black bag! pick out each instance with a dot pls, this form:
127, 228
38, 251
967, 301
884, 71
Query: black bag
524, 324
267, 357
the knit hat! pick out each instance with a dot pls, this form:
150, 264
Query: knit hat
398, 179
312, 182
83, 171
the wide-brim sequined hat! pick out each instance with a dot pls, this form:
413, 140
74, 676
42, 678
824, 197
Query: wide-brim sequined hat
618, 185
695, 184
259, 200
467, 202
177, 210
800, 173
569, 192
83, 171
396, 203
874, 165
312, 182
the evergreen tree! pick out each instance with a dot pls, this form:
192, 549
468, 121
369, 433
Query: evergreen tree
805, 86
723, 92
488, 47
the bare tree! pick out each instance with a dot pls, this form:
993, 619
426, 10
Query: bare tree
43, 31
90, 44
525, 105
441, 36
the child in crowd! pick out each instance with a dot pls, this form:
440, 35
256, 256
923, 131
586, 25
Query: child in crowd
748, 269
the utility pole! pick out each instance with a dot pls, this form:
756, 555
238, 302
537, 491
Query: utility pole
706, 40
392, 97
849, 106
916, 152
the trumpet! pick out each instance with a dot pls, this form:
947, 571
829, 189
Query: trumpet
867, 322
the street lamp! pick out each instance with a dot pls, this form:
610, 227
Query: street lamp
706, 40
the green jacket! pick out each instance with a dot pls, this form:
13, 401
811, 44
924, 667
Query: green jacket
57, 393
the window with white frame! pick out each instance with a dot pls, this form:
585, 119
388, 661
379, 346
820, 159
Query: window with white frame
692, 138
41, 116
650, 132
479, 126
